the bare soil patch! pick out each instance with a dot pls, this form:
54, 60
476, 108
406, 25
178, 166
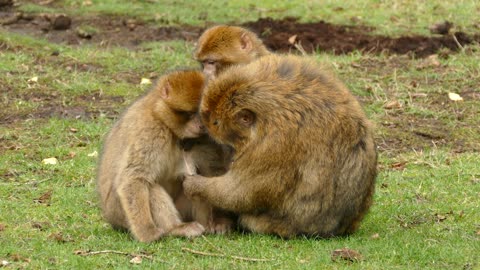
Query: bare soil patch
277, 34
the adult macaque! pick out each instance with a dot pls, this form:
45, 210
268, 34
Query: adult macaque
222, 46
305, 158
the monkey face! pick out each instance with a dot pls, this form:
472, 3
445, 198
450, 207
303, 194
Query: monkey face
193, 127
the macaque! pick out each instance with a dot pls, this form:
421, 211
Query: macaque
143, 164
304, 158
222, 46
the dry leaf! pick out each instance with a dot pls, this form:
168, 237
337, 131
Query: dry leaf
145, 81
33, 79
454, 97
87, 3
375, 236
50, 161
72, 154
292, 39
440, 217
93, 154
60, 238
346, 254
394, 104
478, 232
441, 28
4, 263
430, 61
45, 198
73, 130
2, 227
19, 258
136, 260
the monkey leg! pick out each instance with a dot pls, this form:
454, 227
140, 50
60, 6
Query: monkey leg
135, 199
167, 217
266, 224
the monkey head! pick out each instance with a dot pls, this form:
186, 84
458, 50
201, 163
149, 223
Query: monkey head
180, 92
222, 46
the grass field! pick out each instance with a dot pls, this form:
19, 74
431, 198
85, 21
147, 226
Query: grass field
59, 101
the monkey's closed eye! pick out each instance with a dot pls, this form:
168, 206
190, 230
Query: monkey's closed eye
245, 118
185, 114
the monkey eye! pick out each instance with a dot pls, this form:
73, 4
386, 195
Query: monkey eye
209, 62
185, 114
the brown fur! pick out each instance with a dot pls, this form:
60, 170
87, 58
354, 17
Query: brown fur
305, 159
142, 164
222, 46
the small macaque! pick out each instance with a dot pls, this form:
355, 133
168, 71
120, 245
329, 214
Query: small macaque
143, 164
222, 46
304, 158
205, 157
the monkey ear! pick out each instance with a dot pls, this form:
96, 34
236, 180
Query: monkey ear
245, 118
165, 90
246, 42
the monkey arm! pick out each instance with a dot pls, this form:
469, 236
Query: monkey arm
226, 192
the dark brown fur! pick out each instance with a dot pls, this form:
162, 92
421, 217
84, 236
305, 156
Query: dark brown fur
222, 46
142, 164
305, 159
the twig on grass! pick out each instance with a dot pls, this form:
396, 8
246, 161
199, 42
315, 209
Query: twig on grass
225, 256
89, 253
458, 43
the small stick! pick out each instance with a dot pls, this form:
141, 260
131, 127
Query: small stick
212, 245
458, 43
223, 256
88, 253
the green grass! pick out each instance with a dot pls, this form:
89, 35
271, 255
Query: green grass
426, 213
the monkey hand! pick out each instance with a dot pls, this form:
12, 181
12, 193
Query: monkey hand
193, 185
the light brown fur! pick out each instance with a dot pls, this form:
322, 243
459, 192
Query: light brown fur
222, 46
142, 164
305, 159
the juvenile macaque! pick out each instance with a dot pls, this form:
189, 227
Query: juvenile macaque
222, 46
143, 164
304, 155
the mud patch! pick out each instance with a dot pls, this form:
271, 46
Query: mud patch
316, 36
50, 105
340, 39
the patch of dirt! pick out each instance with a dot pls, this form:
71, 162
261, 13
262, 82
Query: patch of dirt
316, 36
341, 39
50, 105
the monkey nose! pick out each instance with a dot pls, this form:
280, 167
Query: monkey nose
202, 128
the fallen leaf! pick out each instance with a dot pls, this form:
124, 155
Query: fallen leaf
72, 154
441, 28
292, 39
145, 81
2, 227
375, 236
93, 154
346, 254
40, 225
418, 95
19, 258
50, 161
398, 165
73, 130
45, 198
454, 97
33, 79
478, 232
87, 3
394, 104
430, 61
60, 238
440, 217
136, 260
4, 263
